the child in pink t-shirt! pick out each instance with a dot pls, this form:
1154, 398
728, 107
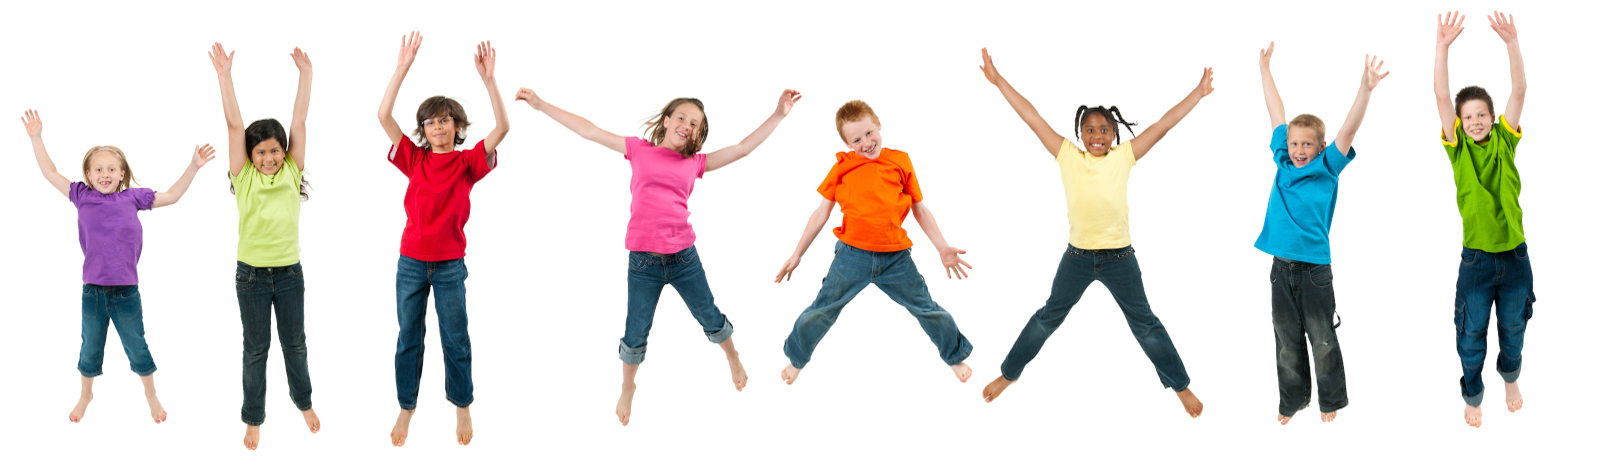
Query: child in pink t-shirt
660, 240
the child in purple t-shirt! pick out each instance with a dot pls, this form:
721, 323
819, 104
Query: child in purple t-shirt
111, 238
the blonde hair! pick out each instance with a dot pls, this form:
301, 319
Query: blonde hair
852, 112
1310, 122
127, 172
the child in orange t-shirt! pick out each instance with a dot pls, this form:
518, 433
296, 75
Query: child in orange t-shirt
875, 188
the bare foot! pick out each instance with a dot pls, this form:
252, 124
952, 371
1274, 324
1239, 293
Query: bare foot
311, 420
992, 391
739, 377
790, 373
1474, 416
1191, 403
1284, 420
83, 406
1513, 397
402, 426
963, 371
463, 426
1328, 417
625, 403
157, 413
252, 437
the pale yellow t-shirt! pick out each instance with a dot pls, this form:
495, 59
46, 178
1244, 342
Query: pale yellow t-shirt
269, 215
1097, 195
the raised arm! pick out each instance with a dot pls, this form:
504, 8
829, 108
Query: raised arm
202, 154
949, 255
302, 103
35, 127
1047, 136
408, 54
814, 225
1504, 26
722, 158
238, 156
1449, 28
1270, 88
1358, 110
484, 60
574, 123
1155, 132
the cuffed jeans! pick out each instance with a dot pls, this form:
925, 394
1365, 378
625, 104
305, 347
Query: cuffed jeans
647, 275
1504, 280
104, 306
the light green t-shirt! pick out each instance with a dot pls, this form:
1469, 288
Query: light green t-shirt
1097, 195
1487, 187
269, 215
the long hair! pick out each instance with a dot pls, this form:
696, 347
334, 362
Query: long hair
435, 106
127, 171
261, 131
1112, 115
657, 128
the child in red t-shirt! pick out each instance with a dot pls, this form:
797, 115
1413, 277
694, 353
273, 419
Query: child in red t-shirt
433, 246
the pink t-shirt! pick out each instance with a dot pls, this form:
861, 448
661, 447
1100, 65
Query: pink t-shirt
658, 218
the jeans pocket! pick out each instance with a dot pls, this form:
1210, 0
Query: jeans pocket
1521, 252
1468, 257
1123, 256
636, 261
1461, 316
296, 271
243, 280
1322, 276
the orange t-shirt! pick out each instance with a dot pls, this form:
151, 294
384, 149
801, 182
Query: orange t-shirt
875, 196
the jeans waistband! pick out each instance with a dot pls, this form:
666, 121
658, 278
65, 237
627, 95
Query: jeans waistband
1521, 246
670, 258
269, 270
1103, 251
1286, 263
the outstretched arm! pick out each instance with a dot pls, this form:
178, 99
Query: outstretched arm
1155, 132
35, 127
1270, 88
202, 154
1448, 29
408, 54
302, 103
814, 225
484, 60
574, 123
1358, 110
1047, 136
238, 156
949, 255
722, 158
1507, 29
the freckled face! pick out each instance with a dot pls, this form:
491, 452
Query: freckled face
105, 172
864, 137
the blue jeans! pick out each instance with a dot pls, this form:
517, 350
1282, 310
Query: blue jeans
263, 292
448, 281
1303, 307
894, 273
1118, 269
647, 275
1505, 280
102, 307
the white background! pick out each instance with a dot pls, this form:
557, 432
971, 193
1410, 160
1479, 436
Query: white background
547, 289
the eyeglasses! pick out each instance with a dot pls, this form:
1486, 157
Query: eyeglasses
441, 121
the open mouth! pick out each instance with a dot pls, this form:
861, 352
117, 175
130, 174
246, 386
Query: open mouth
1097, 146
105, 183
1300, 161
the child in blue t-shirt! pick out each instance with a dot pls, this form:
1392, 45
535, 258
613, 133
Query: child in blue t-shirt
1299, 214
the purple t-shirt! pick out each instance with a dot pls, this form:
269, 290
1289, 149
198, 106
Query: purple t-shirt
662, 182
110, 234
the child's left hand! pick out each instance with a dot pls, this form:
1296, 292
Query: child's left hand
786, 102
31, 122
1502, 25
1204, 88
484, 59
202, 155
951, 257
1371, 77
301, 60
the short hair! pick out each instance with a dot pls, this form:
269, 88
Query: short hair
852, 112
1474, 93
1311, 122
435, 106
127, 171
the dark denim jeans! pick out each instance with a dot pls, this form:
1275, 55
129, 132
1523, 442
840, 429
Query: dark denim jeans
894, 273
448, 282
104, 306
1505, 280
1303, 307
1118, 269
647, 275
262, 293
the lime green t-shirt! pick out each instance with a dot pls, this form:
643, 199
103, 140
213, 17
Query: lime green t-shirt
269, 215
1487, 187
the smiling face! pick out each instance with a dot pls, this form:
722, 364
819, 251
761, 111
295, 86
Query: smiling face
1303, 146
105, 172
682, 126
267, 157
1476, 120
1098, 134
441, 131
863, 136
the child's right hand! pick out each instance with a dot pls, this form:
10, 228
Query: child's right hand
202, 155
1204, 88
301, 60
788, 269
1449, 28
988, 68
220, 59
526, 95
1266, 55
786, 102
1371, 76
408, 48
30, 121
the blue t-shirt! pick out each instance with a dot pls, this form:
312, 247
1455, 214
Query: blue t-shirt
1300, 211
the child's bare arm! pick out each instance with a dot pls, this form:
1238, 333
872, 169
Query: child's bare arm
814, 225
408, 54
1358, 110
722, 158
302, 104
1507, 29
574, 123
1155, 132
1446, 33
1047, 136
238, 156
35, 127
484, 60
1270, 88
202, 154
949, 255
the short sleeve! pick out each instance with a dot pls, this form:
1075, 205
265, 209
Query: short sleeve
831, 183
1336, 161
1512, 136
700, 164
403, 155
630, 145
75, 192
476, 159
1067, 149
1450, 149
143, 198
1124, 152
1280, 143
909, 185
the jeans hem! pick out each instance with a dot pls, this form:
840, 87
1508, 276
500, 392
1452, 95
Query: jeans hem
1336, 408
631, 356
1474, 401
458, 404
1510, 377
91, 375
962, 357
145, 374
302, 408
248, 423
408, 408
723, 334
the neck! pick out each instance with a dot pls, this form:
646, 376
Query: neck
443, 148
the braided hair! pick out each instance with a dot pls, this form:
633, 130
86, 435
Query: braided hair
1112, 115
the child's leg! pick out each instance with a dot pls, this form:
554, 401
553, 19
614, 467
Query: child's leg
127, 314
1289, 333
450, 301
625, 401
646, 278
289, 306
688, 277
1119, 271
92, 352
254, 289
850, 272
1513, 308
85, 395
1474, 294
157, 413
1073, 276
1320, 312
411, 304
898, 278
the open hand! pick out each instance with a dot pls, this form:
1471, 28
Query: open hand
1370, 78
1204, 88
1503, 24
988, 68
1266, 55
30, 121
951, 257
526, 95
786, 102
203, 154
408, 48
220, 60
301, 60
484, 59
1449, 28
788, 269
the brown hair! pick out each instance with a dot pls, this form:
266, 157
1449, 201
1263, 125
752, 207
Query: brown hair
1474, 93
127, 172
438, 105
1310, 122
657, 128
852, 112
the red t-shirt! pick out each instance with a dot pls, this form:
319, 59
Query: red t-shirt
875, 196
437, 203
